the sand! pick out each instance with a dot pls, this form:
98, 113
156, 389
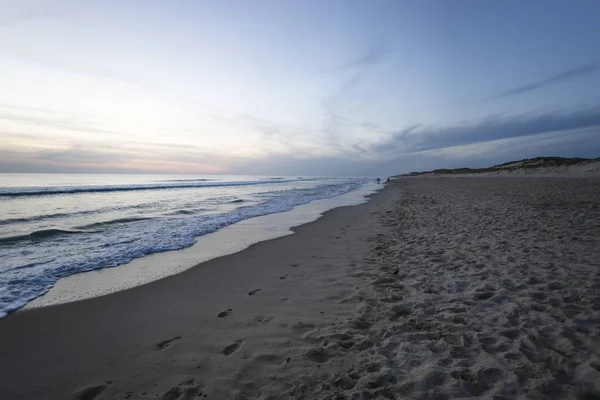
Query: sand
437, 288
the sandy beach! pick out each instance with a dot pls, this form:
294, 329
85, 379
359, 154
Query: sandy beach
437, 288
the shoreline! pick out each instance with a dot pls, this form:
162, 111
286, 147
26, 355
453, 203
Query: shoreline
90, 343
228, 240
91, 224
434, 288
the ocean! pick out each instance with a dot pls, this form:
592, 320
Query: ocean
56, 225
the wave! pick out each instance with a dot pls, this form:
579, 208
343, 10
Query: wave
41, 234
101, 210
190, 180
115, 221
56, 190
183, 212
34, 218
44, 233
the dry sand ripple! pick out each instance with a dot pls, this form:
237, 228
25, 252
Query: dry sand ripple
479, 287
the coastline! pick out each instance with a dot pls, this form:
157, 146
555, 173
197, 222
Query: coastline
124, 336
435, 288
225, 241
98, 222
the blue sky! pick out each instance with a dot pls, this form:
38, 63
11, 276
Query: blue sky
295, 87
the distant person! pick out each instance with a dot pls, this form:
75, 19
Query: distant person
378, 180
388, 180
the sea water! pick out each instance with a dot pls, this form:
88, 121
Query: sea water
53, 226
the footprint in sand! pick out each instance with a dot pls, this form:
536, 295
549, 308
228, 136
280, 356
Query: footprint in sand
165, 344
252, 293
317, 354
232, 348
262, 319
224, 313
186, 390
92, 392
483, 295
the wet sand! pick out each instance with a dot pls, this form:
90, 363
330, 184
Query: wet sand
436, 288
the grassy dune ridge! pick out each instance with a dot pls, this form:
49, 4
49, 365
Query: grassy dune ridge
526, 165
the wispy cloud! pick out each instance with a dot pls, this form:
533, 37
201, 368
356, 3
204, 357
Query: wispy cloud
80, 155
58, 123
21, 17
415, 138
125, 157
357, 147
374, 54
20, 108
572, 73
404, 134
334, 107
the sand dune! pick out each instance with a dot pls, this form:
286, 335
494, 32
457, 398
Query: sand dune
533, 167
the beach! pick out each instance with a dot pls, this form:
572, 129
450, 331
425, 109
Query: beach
57, 226
436, 288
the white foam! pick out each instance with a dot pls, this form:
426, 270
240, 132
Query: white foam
228, 240
20, 191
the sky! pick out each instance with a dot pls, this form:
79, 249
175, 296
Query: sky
295, 87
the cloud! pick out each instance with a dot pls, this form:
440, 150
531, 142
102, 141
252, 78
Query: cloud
130, 157
47, 121
373, 54
141, 157
571, 143
348, 94
292, 165
563, 76
357, 147
574, 142
21, 17
20, 108
81, 155
415, 139
401, 136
